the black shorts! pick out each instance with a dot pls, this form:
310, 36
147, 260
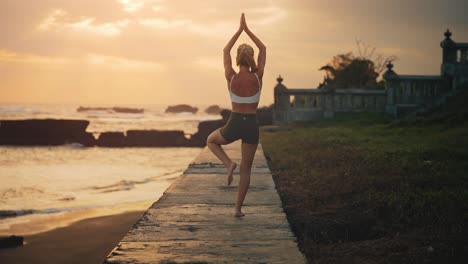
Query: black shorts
241, 126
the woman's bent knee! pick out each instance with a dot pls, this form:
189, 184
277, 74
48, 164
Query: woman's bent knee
211, 138
217, 138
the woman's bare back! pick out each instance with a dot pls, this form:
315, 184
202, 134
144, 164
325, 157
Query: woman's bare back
244, 84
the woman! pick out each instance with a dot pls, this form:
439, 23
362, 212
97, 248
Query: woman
244, 89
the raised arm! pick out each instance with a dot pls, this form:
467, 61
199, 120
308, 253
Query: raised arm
228, 70
262, 51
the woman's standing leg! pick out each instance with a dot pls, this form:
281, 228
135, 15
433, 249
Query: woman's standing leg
248, 154
214, 142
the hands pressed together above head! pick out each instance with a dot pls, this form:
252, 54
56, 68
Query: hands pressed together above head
243, 23
227, 49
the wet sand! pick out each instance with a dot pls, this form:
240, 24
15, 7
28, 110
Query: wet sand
86, 241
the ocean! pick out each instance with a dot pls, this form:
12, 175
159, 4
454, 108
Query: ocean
45, 187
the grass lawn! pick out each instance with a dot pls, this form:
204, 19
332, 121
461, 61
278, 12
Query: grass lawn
362, 189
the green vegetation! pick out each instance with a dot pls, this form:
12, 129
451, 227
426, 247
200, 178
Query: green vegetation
360, 188
356, 71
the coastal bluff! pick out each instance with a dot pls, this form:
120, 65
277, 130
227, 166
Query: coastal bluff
193, 221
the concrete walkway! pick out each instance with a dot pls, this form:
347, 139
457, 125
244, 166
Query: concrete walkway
193, 221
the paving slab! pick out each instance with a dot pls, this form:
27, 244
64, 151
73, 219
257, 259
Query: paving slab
202, 251
193, 221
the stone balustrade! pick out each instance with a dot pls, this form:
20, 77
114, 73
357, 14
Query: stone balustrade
403, 94
312, 104
412, 91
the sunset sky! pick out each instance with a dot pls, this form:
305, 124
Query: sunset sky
170, 51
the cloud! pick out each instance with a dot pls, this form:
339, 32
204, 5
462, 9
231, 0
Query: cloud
51, 20
110, 29
131, 5
164, 23
122, 64
210, 24
13, 57
205, 29
268, 15
214, 29
106, 62
56, 21
157, 8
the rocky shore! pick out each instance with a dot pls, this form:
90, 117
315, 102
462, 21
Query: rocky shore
50, 132
47, 132
53, 132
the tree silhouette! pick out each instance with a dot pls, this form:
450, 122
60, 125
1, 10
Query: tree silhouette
350, 71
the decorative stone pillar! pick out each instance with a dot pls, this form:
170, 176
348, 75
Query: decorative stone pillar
449, 51
391, 86
281, 104
281, 96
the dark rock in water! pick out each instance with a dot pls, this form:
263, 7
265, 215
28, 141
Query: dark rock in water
144, 138
11, 241
84, 109
181, 108
204, 130
128, 110
265, 115
156, 138
67, 198
87, 139
213, 110
14, 213
111, 139
45, 132
111, 109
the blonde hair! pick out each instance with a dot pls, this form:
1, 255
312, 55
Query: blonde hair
245, 56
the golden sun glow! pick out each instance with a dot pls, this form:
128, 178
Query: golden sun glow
166, 52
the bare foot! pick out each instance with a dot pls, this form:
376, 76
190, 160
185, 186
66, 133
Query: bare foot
230, 171
239, 214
